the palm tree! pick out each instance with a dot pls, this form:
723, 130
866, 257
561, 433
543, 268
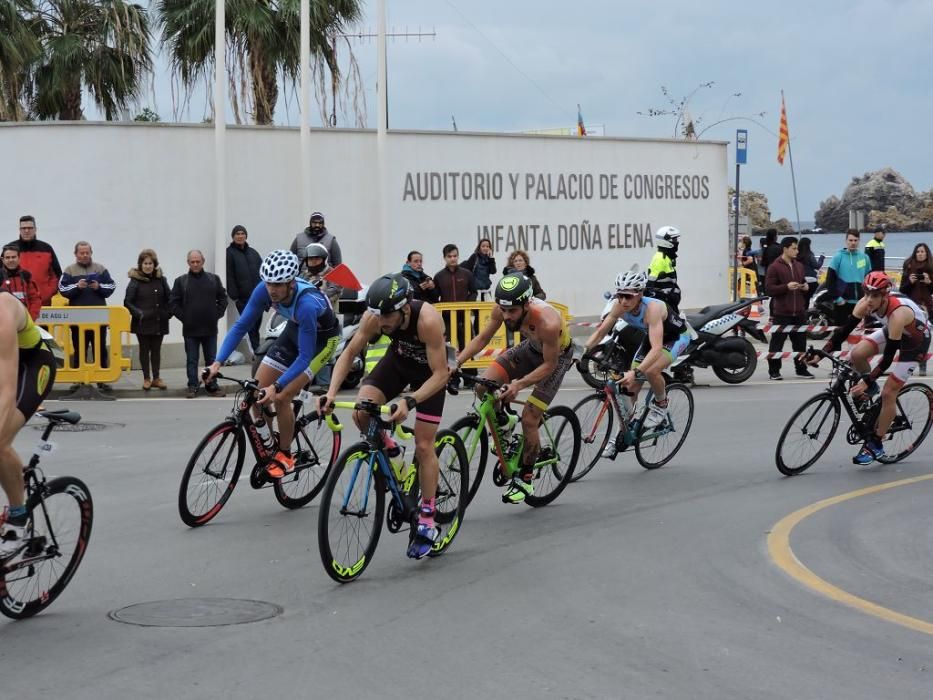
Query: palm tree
19, 48
263, 44
101, 45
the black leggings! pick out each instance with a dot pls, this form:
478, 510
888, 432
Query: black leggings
150, 354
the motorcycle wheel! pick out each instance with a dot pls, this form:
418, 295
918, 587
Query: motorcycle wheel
589, 364
737, 376
818, 318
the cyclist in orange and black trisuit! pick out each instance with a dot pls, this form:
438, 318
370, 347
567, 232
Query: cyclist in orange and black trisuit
541, 359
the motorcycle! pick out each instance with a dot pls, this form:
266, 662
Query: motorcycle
732, 357
720, 343
820, 313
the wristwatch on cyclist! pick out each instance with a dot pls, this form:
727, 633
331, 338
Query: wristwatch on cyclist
277, 387
412, 402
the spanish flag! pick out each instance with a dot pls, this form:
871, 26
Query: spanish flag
783, 134
581, 130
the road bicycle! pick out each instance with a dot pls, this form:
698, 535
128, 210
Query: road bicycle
654, 447
560, 444
812, 426
353, 503
58, 530
214, 467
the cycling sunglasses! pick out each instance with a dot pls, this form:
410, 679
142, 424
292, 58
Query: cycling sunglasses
626, 295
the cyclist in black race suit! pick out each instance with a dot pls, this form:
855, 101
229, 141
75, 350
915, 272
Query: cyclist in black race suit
27, 371
416, 359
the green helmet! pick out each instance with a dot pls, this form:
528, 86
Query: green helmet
513, 290
388, 293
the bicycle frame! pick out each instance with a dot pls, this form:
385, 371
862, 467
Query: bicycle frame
399, 482
511, 465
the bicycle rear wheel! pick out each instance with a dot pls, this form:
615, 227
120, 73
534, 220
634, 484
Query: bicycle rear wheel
596, 417
211, 474
314, 447
475, 439
59, 531
452, 486
351, 515
656, 447
807, 434
911, 422
560, 450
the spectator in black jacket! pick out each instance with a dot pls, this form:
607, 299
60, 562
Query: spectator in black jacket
771, 250
422, 284
242, 276
454, 282
483, 267
147, 299
87, 283
874, 249
520, 262
199, 301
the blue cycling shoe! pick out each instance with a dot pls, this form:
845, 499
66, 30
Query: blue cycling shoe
421, 541
872, 450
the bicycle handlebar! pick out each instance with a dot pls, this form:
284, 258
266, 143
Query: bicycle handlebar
368, 407
245, 384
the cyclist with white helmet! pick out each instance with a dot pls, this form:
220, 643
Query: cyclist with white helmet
415, 360
662, 271
540, 360
314, 268
306, 344
904, 331
666, 336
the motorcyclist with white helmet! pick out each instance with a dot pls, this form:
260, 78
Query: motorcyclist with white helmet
314, 268
306, 344
666, 337
662, 271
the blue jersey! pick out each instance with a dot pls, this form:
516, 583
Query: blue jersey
673, 325
308, 309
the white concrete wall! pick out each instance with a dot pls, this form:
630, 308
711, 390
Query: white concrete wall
124, 187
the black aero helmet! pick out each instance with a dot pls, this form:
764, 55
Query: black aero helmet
388, 293
513, 290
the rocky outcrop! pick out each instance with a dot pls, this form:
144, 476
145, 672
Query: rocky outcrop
887, 198
754, 205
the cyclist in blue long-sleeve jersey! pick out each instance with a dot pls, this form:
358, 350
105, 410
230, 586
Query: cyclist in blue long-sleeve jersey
306, 345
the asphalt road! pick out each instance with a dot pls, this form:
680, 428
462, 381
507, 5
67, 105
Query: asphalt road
632, 584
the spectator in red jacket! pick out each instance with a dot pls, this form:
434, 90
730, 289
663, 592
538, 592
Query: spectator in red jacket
39, 258
786, 281
19, 281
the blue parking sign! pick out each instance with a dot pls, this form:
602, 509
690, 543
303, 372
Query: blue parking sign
741, 146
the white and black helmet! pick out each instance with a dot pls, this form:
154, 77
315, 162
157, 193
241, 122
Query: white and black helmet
631, 281
667, 237
279, 266
313, 250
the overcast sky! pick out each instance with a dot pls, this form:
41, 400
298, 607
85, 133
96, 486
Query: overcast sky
855, 73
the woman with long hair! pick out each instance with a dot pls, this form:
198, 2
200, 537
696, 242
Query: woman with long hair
483, 267
811, 266
917, 283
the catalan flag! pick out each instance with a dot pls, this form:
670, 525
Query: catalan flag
783, 134
581, 130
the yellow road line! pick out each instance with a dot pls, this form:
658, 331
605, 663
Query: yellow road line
781, 553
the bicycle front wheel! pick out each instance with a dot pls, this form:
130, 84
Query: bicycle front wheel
911, 422
211, 474
314, 447
351, 515
655, 447
596, 417
560, 450
475, 439
452, 486
807, 434
60, 521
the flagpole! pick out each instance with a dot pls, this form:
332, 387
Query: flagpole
793, 179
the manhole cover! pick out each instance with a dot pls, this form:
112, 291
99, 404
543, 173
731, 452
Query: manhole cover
79, 427
196, 612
